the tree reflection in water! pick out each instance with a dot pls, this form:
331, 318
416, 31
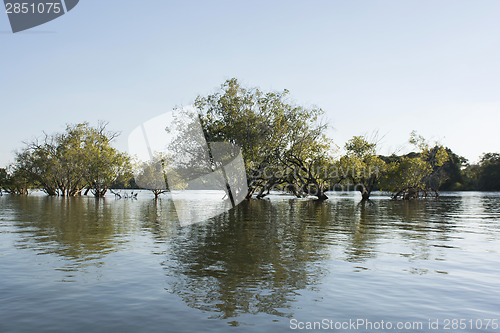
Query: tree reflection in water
254, 258
260, 256
257, 258
79, 229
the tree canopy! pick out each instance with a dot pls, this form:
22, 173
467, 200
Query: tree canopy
486, 175
67, 163
360, 166
418, 174
280, 141
283, 145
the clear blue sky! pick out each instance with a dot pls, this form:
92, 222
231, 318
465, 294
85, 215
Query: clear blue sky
391, 66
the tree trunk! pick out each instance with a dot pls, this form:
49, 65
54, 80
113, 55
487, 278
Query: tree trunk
322, 196
249, 193
365, 193
261, 193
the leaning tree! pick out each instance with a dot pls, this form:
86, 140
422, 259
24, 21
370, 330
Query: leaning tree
280, 140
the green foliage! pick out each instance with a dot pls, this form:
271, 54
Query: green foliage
15, 182
483, 176
453, 168
151, 175
308, 162
416, 175
66, 163
283, 146
360, 166
103, 164
281, 142
406, 177
470, 176
360, 147
3, 177
489, 172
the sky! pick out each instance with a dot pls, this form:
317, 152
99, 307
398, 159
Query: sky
386, 67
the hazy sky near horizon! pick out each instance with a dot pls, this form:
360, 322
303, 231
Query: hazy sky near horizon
386, 66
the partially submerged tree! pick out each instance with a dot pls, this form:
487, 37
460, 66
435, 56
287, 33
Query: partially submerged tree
39, 162
104, 164
66, 163
417, 174
150, 175
405, 178
269, 129
360, 166
310, 163
15, 181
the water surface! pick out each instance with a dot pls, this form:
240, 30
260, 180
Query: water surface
80, 264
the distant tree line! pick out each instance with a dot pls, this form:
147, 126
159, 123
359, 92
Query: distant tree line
284, 148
